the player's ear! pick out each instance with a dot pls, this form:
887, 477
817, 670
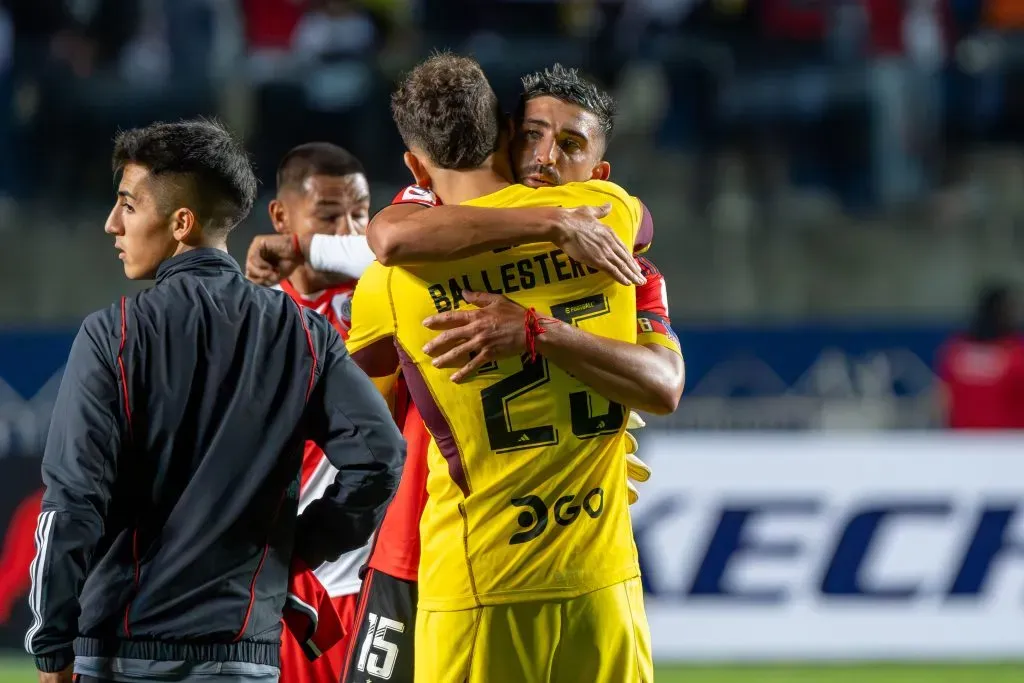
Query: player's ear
417, 168
603, 171
184, 226
278, 216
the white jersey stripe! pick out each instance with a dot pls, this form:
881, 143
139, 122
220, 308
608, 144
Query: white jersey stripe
340, 577
298, 603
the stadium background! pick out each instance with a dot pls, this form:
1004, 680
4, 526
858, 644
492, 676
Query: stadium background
832, 181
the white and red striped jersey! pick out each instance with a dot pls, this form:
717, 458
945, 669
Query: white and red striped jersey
340, 577
335, 303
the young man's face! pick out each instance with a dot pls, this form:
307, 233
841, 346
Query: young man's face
142, 222
557, 142
324, 205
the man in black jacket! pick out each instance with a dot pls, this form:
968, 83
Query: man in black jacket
172, 463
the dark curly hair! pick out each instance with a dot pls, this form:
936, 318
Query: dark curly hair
220, 176
567, 85
446, 107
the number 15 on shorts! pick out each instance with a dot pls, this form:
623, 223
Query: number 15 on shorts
377, 655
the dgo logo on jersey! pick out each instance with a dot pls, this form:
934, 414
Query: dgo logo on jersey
535, 513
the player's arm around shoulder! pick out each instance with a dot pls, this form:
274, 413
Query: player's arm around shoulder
629, 217
392, 231
400, 232
403, 234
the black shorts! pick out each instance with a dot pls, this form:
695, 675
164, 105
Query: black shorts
382, 649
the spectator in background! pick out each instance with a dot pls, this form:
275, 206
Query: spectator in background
7, 162
1006, 15
269, 26
68, 56
190, 28
333, 43
322, 85
910, 42
982, 371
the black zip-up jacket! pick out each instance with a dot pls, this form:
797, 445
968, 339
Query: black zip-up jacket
172, 471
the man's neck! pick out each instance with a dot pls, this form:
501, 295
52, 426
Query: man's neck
306, 282
455, 187
202, 244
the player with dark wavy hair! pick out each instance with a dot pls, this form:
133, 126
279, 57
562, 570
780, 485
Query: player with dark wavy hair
563, 121
527, 567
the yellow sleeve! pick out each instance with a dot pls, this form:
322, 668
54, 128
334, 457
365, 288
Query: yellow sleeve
371, 336
371, 310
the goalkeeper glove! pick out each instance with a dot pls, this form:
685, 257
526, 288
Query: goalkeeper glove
636, 469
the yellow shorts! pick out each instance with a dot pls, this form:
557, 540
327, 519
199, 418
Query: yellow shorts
600, 637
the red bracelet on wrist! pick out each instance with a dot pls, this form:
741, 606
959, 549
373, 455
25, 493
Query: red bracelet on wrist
533, 329
297, 247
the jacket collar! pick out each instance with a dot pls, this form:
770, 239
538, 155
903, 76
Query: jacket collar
197, 261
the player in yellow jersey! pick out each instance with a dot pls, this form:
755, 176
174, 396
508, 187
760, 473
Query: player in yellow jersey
562, 128
528, 569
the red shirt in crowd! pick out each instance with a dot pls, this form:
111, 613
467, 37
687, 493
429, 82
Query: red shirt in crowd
984, 383
270, 23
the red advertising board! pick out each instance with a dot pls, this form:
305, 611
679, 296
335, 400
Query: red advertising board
20, 495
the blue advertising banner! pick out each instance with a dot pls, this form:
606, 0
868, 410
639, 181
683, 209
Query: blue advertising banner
731, 372
809, 359
31, 365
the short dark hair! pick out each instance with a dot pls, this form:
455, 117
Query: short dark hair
446, 107
221, 175
315, 158
567, 85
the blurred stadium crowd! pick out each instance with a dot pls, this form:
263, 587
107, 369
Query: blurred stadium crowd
804, 157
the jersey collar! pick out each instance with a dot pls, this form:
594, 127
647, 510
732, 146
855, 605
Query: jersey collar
505, 195
317, 300
197, 261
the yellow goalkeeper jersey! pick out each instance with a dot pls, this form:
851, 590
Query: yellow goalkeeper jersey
527, 490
